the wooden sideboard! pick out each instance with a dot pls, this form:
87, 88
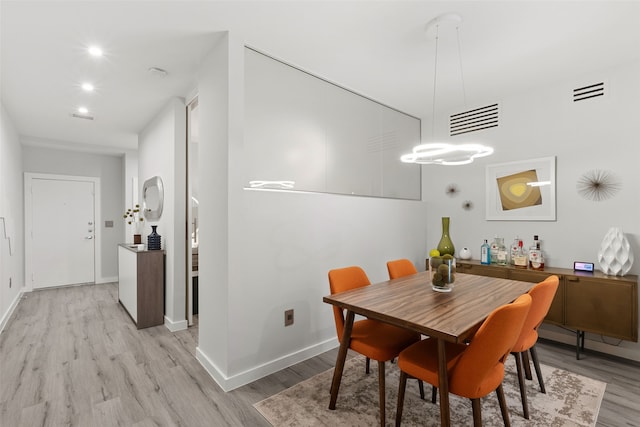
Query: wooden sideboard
141, 284
584, 302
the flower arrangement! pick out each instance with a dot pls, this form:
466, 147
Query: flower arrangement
132, 215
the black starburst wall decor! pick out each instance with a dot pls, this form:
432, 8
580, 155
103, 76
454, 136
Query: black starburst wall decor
467, 205
452, 190
598, 185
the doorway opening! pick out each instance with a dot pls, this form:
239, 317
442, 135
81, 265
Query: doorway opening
192, 205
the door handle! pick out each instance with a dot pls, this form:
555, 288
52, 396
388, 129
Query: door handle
89, 238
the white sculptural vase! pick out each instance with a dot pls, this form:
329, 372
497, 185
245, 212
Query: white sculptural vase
465, 253
615, 256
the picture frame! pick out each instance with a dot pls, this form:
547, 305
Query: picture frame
521, 190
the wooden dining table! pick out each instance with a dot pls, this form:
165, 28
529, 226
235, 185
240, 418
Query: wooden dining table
410, 302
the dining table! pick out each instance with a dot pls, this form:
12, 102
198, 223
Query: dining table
412, 303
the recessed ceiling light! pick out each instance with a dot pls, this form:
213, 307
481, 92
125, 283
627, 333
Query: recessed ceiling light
95, 51
83, 110
88, 87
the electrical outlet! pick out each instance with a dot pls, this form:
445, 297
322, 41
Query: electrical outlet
288, 317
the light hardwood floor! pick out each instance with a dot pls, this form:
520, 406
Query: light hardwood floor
72, 356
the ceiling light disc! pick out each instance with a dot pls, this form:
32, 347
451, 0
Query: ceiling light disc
442, 153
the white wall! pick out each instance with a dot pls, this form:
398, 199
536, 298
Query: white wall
264, 252
109, 169
12, 210
597, 134
213, 182
161, 152
130, 190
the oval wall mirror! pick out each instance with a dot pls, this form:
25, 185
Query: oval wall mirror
152, 198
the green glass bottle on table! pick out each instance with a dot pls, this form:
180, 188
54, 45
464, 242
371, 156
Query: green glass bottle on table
445, 246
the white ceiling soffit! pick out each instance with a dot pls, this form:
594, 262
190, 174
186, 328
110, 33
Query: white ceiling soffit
377, 48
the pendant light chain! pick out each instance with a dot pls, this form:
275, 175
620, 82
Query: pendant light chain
464, 92
435, 79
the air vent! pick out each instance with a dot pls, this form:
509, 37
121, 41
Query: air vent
588, 92
81, 116
474, 120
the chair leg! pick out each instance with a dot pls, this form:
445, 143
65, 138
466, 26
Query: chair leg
527, 365
523, 391
401, 388
367, 365
536, 365
381, 387
503, 406
477, 413
434, 394
421, 387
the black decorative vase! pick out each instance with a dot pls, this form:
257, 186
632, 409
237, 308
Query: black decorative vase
153, 240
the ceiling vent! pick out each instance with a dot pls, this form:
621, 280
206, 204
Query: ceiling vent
81, 116
588, 92
474, 120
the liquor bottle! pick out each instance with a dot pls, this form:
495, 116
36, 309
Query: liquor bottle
536, 260
520, 259
494, 250
532, 248
502, 256
514, 250
485, 253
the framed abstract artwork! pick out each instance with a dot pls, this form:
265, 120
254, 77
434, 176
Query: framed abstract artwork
522, 191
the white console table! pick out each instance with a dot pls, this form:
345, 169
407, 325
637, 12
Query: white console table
141, 284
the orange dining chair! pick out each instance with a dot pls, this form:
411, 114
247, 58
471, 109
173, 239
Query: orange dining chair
474, 370
374, 340
542, 296
400, 268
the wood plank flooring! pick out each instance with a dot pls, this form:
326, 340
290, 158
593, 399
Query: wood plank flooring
72, 357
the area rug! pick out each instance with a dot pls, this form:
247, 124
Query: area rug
571, 400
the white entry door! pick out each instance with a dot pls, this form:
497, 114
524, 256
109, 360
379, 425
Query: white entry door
62, 232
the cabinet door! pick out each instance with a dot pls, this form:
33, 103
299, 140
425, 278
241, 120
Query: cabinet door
601, 306
483, 270
556, 311
127, 281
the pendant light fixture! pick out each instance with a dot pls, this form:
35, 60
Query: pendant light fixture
443, 153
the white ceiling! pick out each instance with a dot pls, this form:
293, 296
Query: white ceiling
377, 48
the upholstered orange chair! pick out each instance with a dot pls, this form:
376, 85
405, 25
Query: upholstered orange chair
400, 268
374, 340
474, 370
542, 296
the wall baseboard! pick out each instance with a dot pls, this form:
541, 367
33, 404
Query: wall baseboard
175, 326
228, 383
7, 315
102, 280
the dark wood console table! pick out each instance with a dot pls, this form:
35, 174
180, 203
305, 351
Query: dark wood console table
585, 302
